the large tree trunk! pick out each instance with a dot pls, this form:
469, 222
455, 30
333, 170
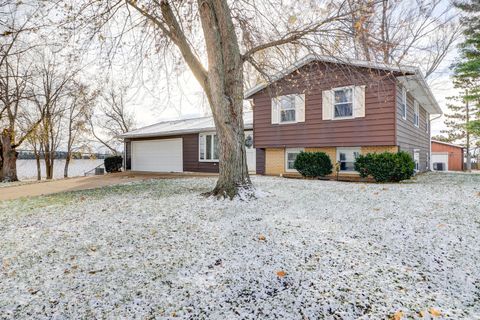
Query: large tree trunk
224, 89
9, 155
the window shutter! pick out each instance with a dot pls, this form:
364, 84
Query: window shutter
359, 102
327, 105
275, 110
300, 107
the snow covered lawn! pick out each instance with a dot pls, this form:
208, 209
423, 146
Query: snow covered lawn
308, 250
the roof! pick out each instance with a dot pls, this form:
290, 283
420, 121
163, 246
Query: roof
412, 78
182, 126
448, 144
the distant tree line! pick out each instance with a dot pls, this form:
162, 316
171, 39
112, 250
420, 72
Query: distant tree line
32, 155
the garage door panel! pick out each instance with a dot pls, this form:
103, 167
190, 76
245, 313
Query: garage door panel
164, 155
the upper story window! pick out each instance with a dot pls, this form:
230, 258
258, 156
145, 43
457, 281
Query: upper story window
416, 114
404, 103
343, 102
288, 109
208, 147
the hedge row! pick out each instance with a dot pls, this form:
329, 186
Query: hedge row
382, 167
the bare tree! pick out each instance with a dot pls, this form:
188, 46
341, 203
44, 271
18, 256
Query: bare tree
81, 102
215, 39
112, 118
419, 32
49, 95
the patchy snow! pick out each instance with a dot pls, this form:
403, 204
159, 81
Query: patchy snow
305, 250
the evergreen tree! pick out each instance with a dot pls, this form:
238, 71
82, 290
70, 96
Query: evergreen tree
464, 113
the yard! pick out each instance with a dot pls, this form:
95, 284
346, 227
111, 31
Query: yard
304, 250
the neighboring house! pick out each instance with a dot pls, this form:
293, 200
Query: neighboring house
180, 145
320, 104
446, 156
343, 109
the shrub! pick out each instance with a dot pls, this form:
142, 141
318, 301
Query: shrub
386, 167
313, 164
113, 163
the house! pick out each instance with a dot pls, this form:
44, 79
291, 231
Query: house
343, 108
180, 145
446, 156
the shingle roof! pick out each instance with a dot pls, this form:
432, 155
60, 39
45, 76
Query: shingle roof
412, 78
182, 126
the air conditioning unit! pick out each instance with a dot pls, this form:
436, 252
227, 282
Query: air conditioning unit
439, 166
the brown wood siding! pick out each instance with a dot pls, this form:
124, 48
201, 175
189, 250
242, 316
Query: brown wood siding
409, 137
190, 153
260, 161
455, 155
190, 156
376, 128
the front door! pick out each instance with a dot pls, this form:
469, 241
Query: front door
251, 154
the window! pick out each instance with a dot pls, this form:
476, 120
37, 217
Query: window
208, 147
416, 159
346, 157
404, 103
343, 102
290, 156
416, 114
287, 108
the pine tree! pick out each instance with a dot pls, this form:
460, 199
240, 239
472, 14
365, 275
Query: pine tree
465, 109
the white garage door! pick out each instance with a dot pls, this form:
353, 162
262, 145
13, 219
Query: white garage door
157, 155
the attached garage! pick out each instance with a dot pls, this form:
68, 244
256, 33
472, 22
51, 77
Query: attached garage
165, 155
185, 145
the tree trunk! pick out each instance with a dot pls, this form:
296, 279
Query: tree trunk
67, 163
469, 157
39, 167
224, 90
9, 155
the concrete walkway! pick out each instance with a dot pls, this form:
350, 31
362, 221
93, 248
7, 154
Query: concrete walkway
84, 183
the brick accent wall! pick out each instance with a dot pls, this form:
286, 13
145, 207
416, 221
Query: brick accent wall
274, 161
275, 157
379, 149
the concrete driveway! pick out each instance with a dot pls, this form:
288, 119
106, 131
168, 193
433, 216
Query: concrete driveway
84, 183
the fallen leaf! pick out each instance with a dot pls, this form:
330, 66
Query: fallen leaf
281, 274
434, 312
376, 209
422, 314
262, 237
441, 225
397, 315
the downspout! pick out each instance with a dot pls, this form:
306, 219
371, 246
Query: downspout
430, 136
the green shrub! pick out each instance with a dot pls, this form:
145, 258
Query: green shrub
113, 163
386, 167
313, 164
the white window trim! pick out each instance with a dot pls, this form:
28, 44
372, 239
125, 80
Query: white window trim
339, 149
416, 114
291, 150
404, 102
294, 109
202, 136
353, 103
